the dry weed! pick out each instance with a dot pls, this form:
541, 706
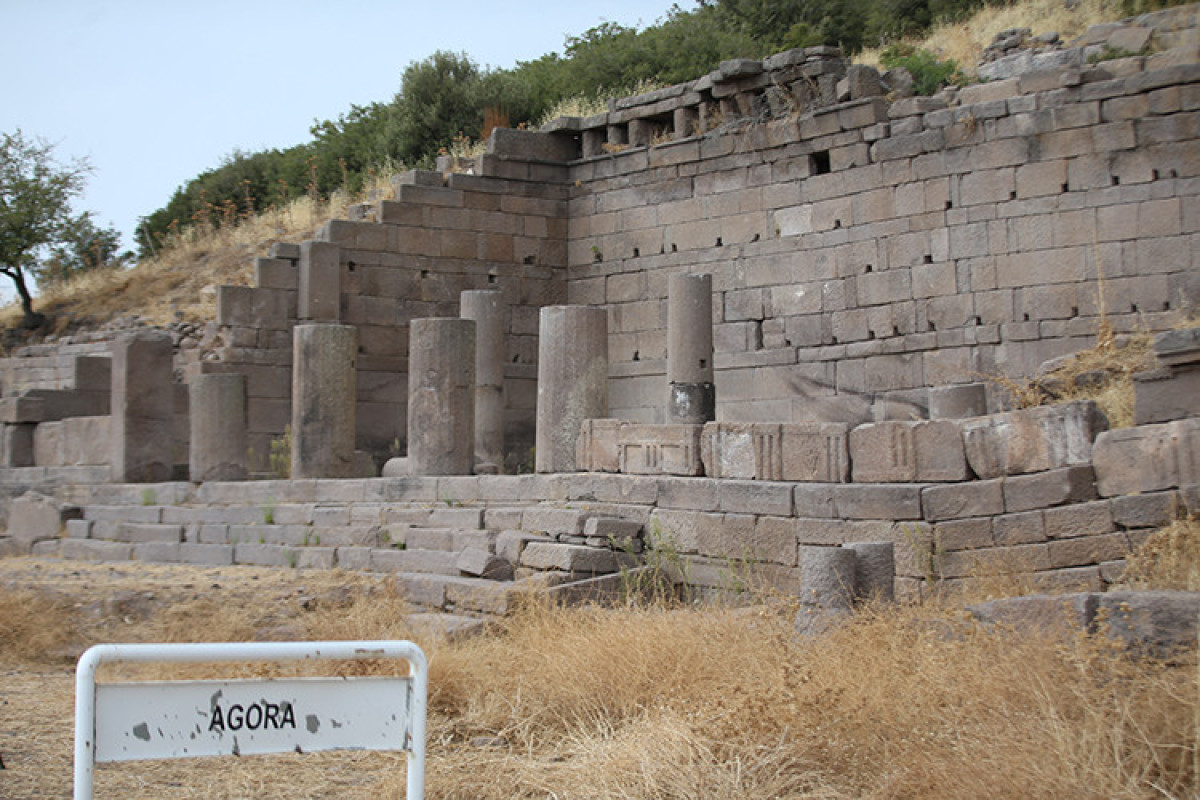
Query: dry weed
1169, 559
964, 42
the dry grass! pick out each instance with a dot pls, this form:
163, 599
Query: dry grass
1170, 559
964, 42
180, 281
654, 702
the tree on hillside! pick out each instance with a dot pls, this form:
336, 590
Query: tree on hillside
35, 209
83, 247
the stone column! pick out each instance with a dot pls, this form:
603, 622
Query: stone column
143, 408
320, 281
572, 380
486, 308
691, 395
217, 411
441, 396
323, 400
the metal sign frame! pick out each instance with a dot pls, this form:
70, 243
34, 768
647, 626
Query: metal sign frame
85, 688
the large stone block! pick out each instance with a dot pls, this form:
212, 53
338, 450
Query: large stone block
906, 452
323, 401
217, 418
1148, 458
1033, 439
597, 449
320, 281
659, 449
143, 408
34, 517
572, 381
441, 405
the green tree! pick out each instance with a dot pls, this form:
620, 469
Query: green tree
35, 209
83, 247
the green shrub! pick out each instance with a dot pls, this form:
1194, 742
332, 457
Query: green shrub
929, 72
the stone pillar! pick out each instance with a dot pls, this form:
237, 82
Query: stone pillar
827, 577
572, 380
320, 287
441, 396
324, 358
143, 408
217, 411
486, 308
691, 395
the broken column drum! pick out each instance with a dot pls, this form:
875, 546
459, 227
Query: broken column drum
323, 400
572, 381
487, 309
217, 411
143, 408
691, 395
441, 396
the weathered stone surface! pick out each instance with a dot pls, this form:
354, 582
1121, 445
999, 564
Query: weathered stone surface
1052, 488
691, 398
1156, 623
217, 411
957, 402
906, 452
1148, 458
827, 577
33, 517
659, 449
567, 558
1062, 614
572, 381
874, 570
1166, 394
482, 564
1033, 439
320, 281
441, 396
324, 396
488, 310
143, 408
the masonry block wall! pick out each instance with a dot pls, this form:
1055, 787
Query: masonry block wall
401, 260
867, 250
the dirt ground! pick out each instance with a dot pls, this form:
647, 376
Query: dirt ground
133, 602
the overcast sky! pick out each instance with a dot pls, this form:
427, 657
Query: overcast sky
153, 93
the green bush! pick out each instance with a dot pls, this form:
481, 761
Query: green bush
929, 72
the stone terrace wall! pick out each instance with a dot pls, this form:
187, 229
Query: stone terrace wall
868, 250
401, 260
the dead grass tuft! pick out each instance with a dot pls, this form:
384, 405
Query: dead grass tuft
1169, 559
35, 626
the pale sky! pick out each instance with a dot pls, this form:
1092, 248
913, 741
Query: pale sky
153, 93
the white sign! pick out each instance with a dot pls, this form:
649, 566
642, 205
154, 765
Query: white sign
240, 718
177, 719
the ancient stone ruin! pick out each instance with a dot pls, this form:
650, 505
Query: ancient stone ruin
752, 330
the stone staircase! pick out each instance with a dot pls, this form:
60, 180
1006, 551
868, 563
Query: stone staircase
443, 555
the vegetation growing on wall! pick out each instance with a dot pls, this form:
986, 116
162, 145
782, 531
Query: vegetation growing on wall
448, 95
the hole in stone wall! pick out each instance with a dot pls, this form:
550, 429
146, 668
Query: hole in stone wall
1167, 306
719, 243
424, 273
528, 260
867, 270
949, 204
491, 278
1066, 187
637, 356
636, 252
597, 256
1153, 174
1174, 173
674, 248
1012, 195
1074, 311
837, 224
978, 320
1116, 180
833, 339
928, 259
704, 363
1133, 309
932, 325
820, 162
754, 238
351, 265
1025, 317
870, 334
516, 359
